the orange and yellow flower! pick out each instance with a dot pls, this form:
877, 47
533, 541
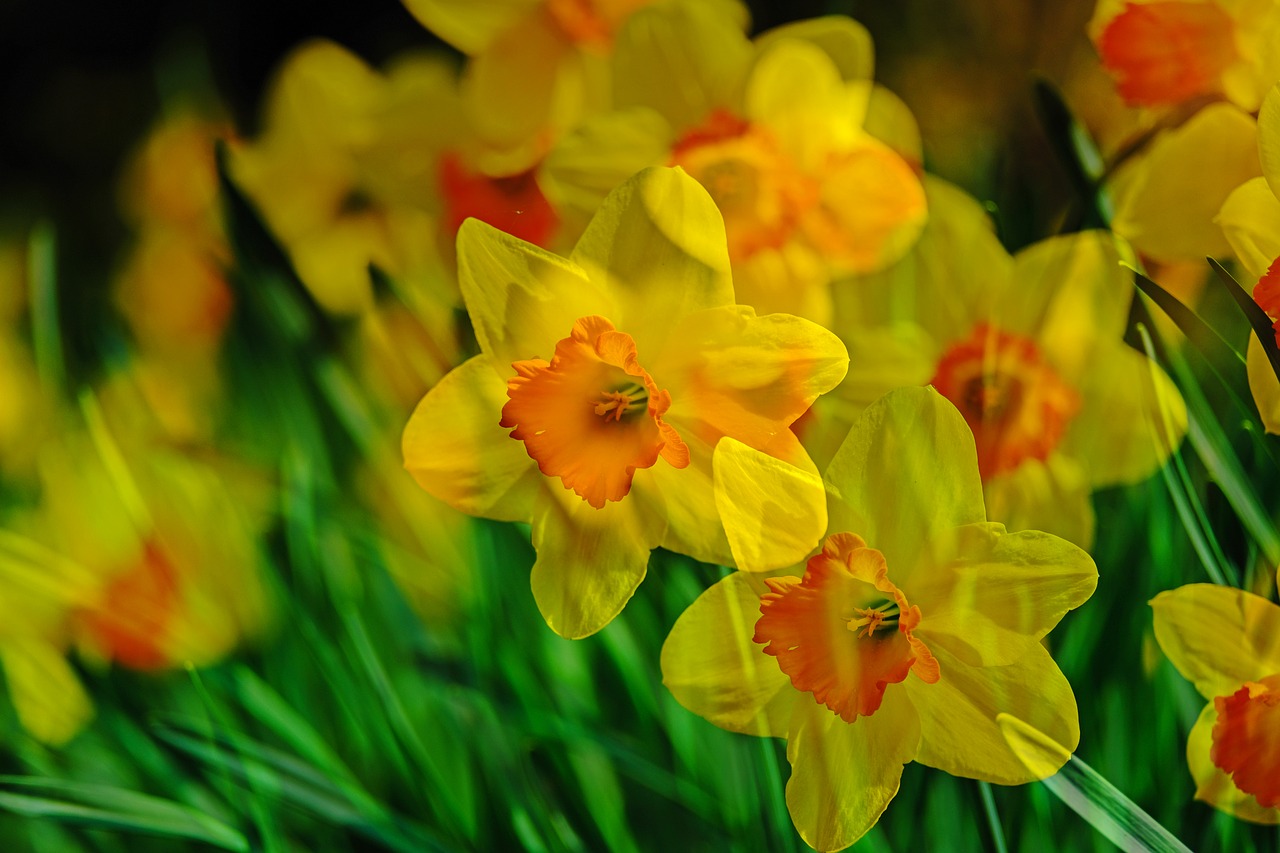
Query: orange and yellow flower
604, 383
901, 640
1029, 348
777, 133
1227, 642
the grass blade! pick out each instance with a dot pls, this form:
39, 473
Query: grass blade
1258, 319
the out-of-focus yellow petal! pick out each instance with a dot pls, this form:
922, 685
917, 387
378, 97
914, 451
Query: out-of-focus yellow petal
467, 25
455, 449
1250, 219
681, 59
1132, 418
1166, 200
843, 775
890, 120
1218, 637
322, 97
712, 667
1052, 496
1212, 785
334, 263
843, 39
522, 299
520, 83
907, 472
795, 90
659, 242
774, 513
791, 279
50, 700
601, 152
590, 561
992, 594
1264, 385
1069, 293
1269, 139
959, 732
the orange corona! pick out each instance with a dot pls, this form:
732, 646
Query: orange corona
514, 204
843, 632
592, 415
1017, 405
1168, 52
1246, 739
133, 623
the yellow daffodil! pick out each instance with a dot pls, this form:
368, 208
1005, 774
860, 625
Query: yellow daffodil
1227, 642
536, 66
1029, 348
901, 640
355, 168
1169, 52
1250, 218
776, 131
604, 383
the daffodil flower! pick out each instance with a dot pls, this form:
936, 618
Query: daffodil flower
1227, 642
604, 383
775, 130
1168, 52
1250, 219
1029, 348
901, 640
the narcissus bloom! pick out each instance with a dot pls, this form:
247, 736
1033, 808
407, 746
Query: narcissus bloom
1250, 218
1029, 348
604, 383
901, 640
536, 66
776, 131
1227, 642
1168, 52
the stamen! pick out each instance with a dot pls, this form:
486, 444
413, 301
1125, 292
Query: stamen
884, 615
622, 401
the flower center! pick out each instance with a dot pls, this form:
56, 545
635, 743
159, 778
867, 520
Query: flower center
133, 623
843, 632
514, 204
1167, 52
1246, 739
1015, 403
760, 193
592, 415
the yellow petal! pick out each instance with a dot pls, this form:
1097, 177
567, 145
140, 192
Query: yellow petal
659, 241
890, 120
1166, 200
1250, 219
1264, 385
774, 513
712, 667
681, 59
1131, 419
1069, 294
334, 262
1051, 496
519, 84
843, 775
795, 90
993, 594
522, 299
455, 449
1212, 785
843, 39
601, 152
1217, 637
467, 25
907, 471
693, 522
1269, 139
50, 700
959, 732
749, 377
590, 561
791, 279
